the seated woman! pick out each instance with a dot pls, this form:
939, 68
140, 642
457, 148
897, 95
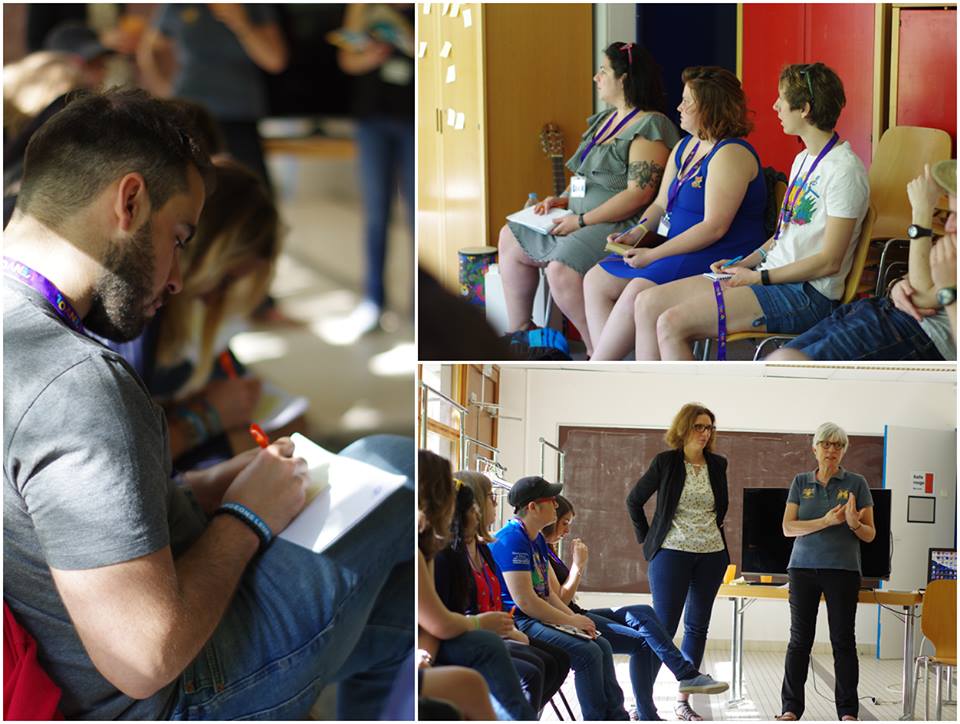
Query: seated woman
467, 583
450, 638
227, 267
617, 170
800, 271
710, 206
633, 630
895, 328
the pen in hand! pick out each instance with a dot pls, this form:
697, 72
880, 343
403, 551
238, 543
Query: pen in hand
620, 236
732, 261
259, 436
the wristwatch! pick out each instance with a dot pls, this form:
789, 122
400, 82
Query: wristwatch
915, 232
581, 221
947, 296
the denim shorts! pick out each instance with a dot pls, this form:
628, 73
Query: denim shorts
791, 308
869, 329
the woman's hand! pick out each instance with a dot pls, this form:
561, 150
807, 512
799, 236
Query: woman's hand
580, 553
551, 202
631, 237
850, 512
234, 399
834, 516
585, 624
741, 276
901, 294
497, 621
924, 193
638, 258
566, 225
518, 636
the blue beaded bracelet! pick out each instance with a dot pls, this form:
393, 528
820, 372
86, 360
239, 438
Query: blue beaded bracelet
253, 521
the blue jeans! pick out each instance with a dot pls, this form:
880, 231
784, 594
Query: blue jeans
301, 620
594, 675
870, 329
387, 161
486, 653
636, 630
791, 308
679, 579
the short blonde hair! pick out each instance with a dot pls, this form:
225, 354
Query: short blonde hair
682, 424
830, 432
482, 487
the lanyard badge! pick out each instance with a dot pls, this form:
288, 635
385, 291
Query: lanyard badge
20, 272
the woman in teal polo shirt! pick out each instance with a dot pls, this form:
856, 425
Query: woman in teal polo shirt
829, 511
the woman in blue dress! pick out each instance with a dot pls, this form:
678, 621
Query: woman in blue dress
710, 206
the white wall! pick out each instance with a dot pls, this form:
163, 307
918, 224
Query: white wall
546, 398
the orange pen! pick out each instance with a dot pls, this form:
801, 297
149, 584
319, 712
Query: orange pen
226, 362
512, 610
258, 435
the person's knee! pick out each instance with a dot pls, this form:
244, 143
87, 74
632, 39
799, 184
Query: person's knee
639, 615
647, 306
672, 324
506, 243
394, 453
787, 354
563, 280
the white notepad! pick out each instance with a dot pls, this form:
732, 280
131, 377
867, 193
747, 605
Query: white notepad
344, 491
541, 223
717, 277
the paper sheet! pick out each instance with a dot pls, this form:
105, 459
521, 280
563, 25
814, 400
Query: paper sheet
423, 49
467, 17
717, 277
451, 117
343, 492
426, 8
445, 50
451, 74
541, 223
459, 122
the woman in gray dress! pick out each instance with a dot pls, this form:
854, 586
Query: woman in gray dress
617, 171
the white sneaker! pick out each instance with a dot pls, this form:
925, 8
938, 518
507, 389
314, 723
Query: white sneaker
347, 330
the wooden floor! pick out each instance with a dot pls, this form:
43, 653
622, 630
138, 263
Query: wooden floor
763, 675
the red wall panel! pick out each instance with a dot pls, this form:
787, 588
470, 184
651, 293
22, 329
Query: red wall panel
842, 37
772, 38
927, 70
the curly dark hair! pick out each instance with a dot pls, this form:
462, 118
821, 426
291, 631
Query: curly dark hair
721, 102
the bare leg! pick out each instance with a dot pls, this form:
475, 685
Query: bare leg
566, 288
620, 330
520, 279
670, 316
462, 687
600, 292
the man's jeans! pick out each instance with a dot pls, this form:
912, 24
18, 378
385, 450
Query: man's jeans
301, 620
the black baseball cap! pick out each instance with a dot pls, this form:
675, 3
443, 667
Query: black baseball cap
531, 488
76, 38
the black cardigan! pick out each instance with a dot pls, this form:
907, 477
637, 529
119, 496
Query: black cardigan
453, 578
665, 477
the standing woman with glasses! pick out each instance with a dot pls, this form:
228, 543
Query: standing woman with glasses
684, 544
797, 277
829, 511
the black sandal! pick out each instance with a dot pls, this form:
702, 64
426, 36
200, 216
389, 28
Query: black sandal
685, 713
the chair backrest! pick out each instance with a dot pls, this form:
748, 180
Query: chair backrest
900, 156
938, 619
859, 257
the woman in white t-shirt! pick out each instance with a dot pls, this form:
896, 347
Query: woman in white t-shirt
797, 277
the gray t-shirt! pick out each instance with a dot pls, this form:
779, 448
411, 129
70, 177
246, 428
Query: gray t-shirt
837, 546
938, 329
86, 477
214, 69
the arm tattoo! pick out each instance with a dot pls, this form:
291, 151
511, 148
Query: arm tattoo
645, 174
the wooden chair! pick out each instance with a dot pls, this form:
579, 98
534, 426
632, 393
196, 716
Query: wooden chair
849, 291
900, 156
938, 621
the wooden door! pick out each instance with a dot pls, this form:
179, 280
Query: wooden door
429, 148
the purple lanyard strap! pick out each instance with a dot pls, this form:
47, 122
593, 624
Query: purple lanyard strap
721, 322
682, 176
20, 272
791, 198
599, 138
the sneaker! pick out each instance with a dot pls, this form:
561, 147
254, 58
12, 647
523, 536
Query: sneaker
703, 684
341, 331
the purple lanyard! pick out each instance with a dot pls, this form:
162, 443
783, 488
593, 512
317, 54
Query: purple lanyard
790, 200
674, 190
721, 322
599, 137
20, 272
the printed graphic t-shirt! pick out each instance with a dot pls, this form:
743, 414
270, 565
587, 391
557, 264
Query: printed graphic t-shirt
514, 551
838, 187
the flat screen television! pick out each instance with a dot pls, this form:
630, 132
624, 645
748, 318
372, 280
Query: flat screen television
766, 550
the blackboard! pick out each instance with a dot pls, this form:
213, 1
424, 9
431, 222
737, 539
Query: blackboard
603, 464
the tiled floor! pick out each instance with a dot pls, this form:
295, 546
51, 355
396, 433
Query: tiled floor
763, 674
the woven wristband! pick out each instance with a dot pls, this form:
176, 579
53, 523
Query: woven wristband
251, 519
